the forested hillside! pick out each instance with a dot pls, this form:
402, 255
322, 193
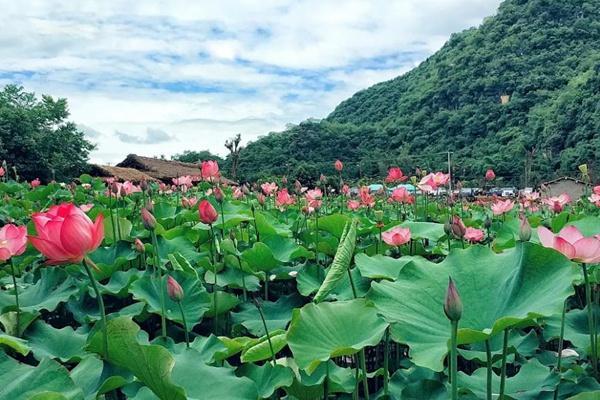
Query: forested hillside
543, 56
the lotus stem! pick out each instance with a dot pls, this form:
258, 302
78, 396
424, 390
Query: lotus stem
453, 358
185, 330
86, 264
560, 346
326, 382
112, 216
161, 287
386, 361
488, 354
356, 380
591, 320
262, 318
503, 370
16, 289
212, 238
363, 367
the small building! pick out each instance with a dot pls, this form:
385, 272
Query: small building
119, 173
164, 170
571, 186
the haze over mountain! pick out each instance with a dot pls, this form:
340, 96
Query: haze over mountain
541, 57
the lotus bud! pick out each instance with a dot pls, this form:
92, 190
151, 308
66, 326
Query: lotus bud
218, 193
148, 219
139, 246
524, 229
284, 180
453, 307
458, 227
144, 185
149, 206
174, 289
114, 188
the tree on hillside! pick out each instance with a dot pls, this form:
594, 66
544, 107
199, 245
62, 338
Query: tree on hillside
37, 139
192, 156
233, 145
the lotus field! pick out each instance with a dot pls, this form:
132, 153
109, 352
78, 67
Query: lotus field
200, 290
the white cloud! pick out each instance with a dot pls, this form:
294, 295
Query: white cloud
201, 72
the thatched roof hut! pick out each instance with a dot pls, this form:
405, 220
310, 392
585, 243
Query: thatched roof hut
571, 186
164, 170
120, 173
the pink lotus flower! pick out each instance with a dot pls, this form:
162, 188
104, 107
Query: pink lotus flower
284, 199
557, 204
189, 202
596, 189
502, 207
313, 198
86, 207
269, 188
595, 199
174, 289
473, 235
238, 193
431, 182
402, 195
395, 174
35, 183
184, 181
207, 212
353, 205
66, 234
339, 166
345, 190
366, 198
13, 241
2, 172
210, 171
261, 198
396, 236
572, 244
490, 175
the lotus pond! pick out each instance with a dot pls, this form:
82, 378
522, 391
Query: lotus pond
198, 290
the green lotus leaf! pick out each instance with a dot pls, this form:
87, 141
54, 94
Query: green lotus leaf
195, 303
497, 290
267, 377
225, 302
151, 364
285, 249
321, 331
260, 258
334, 224
259, 349
341, 262
111, 259
532, 380
425, 230
49, 380
122, 228
65, 344
17, 344
379, 266
96, 378
53, 287
576, 328
201, 381
277, 314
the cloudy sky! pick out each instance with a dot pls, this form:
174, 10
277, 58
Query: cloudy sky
160, 77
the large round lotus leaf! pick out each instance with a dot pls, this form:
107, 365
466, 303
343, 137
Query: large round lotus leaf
195, 303
151, 364
277, 314
532, 380
49, 380
95, 377
260, 349
497, 291
54, 286
111, 259
201, 381
47, 341
260, 257
321, 331
379, 266
576, 328
267, 377
425, 230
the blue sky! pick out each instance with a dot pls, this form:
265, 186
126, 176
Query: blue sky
160, 77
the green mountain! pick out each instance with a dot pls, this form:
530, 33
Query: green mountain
542, 56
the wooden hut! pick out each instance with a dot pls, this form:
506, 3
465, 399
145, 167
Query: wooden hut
119, 173
164, 170
571, 186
